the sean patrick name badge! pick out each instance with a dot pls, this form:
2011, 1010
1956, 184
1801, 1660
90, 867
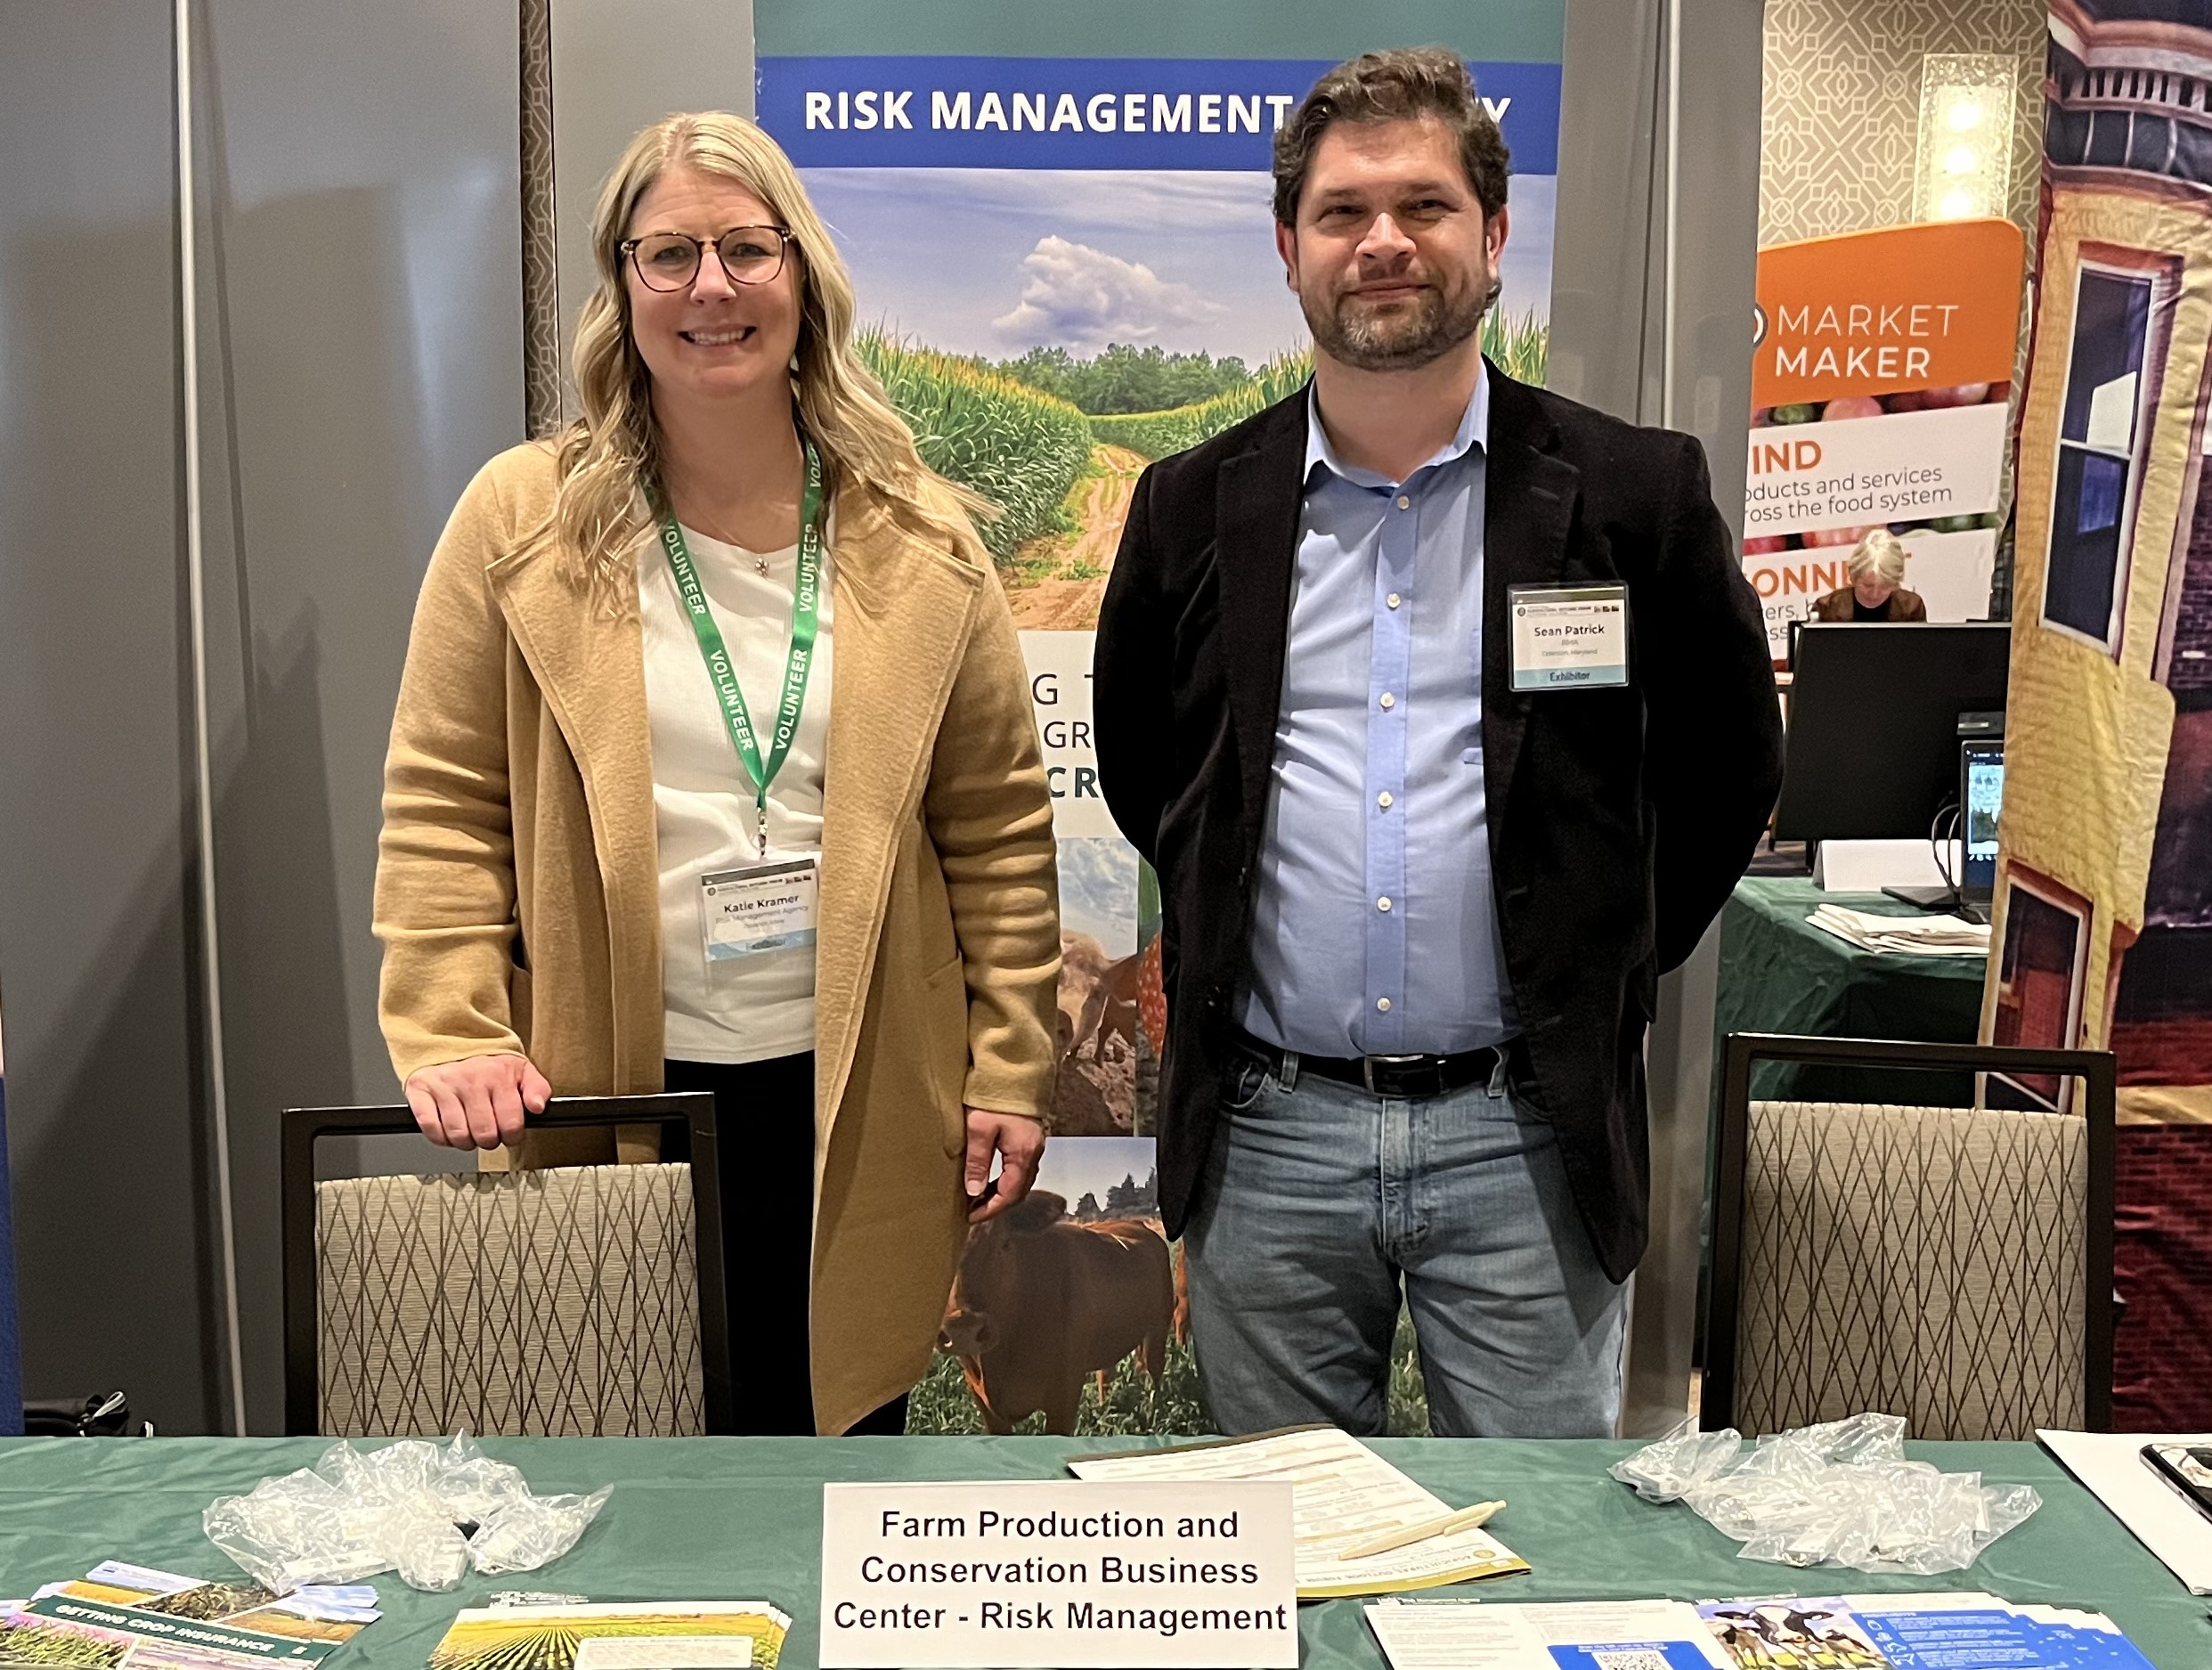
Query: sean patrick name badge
1569, 637
758, 908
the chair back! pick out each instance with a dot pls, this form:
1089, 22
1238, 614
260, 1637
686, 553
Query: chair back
1950, 1265
582, 1300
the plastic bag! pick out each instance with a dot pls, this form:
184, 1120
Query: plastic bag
1839, 1494
430, 1512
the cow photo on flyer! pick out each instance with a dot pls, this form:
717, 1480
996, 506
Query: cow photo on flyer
1067, 1314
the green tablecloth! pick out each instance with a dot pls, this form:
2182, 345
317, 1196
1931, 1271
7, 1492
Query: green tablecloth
1779, 974
740, 1519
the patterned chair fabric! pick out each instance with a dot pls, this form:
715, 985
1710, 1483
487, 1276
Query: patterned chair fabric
559, 1302
1927, 1262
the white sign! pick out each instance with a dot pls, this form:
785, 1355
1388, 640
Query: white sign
1951, 572
1056, 1573
1060, 690
1452, 1634
1866, 472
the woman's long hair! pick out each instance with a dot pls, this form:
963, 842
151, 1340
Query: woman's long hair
610, 457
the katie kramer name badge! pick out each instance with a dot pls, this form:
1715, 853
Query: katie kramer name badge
1569, 637
759, 909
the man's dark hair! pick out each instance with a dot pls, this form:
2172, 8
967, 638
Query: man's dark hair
1401, 85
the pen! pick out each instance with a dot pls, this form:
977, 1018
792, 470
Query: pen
1465, 1519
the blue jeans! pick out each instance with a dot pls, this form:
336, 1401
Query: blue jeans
1318, 1197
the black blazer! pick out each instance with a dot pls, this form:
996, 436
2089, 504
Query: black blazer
1619, 820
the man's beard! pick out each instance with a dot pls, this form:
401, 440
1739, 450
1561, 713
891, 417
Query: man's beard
1405, 337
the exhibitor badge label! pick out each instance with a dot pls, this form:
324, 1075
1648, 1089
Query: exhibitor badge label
1568, 637
761, 907
1053, 1573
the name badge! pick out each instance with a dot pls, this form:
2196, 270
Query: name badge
1567, 638
759, 909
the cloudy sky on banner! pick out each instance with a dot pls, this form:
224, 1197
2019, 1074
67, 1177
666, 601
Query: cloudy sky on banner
992, 261
1077, 1166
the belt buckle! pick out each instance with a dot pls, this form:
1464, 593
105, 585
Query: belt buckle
1367, 1068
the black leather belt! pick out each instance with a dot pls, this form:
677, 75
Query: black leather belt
1407, 1077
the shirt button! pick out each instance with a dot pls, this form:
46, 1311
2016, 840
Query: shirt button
1383, 903
1393, 599
1383, 1004
1389, 700
1383, 800
1404, 503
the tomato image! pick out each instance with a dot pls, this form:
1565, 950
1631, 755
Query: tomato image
1850, 406
1959, 394
1836, 535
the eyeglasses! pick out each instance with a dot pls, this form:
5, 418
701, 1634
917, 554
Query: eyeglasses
670, 260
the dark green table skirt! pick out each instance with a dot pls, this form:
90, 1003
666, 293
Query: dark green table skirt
740, 1519
1779, 974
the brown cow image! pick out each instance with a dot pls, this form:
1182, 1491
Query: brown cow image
1041, 1301
1098, 996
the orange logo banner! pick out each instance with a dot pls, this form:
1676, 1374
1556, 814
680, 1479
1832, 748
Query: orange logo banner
1879, 312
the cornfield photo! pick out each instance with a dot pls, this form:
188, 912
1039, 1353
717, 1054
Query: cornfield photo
500, 1643
1063, 478
1157, 434
1020, 448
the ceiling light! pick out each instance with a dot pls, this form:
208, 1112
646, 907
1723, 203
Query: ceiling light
1964, 164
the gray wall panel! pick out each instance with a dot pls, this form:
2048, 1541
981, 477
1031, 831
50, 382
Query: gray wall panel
1603, 310
617, 65
360, 336
363, 165
1717, 236
98, 936
1618, 344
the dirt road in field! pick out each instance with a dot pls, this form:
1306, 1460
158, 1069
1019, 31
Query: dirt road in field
1065, 597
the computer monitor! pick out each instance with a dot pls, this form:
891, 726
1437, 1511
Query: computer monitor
1981, 792
1874, 733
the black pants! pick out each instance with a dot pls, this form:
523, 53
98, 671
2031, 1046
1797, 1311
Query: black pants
765, 1114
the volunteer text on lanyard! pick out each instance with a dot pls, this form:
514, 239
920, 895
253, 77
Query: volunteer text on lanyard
766, 906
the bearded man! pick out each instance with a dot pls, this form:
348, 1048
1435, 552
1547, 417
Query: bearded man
1443, 712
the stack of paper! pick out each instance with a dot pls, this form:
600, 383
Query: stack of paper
1917, 936
1905, 1632
2111, 1465
120, 1615
1426, 1634
1862, 1632
1342, 1494
563, 1635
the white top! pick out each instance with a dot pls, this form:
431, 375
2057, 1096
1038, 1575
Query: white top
744, 1008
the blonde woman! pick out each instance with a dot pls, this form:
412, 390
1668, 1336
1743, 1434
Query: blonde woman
714, 768
1877, 588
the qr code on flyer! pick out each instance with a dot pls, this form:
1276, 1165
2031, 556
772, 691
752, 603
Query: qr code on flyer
1628, 1658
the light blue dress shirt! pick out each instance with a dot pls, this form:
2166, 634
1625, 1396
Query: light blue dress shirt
1375, 931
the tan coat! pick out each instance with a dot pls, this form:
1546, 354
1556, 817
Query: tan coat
518, 882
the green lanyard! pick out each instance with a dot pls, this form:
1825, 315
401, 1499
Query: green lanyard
805, 619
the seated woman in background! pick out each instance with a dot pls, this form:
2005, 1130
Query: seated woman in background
1877, 588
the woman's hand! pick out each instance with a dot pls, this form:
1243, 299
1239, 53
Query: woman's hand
1019, 1144
479, 1102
